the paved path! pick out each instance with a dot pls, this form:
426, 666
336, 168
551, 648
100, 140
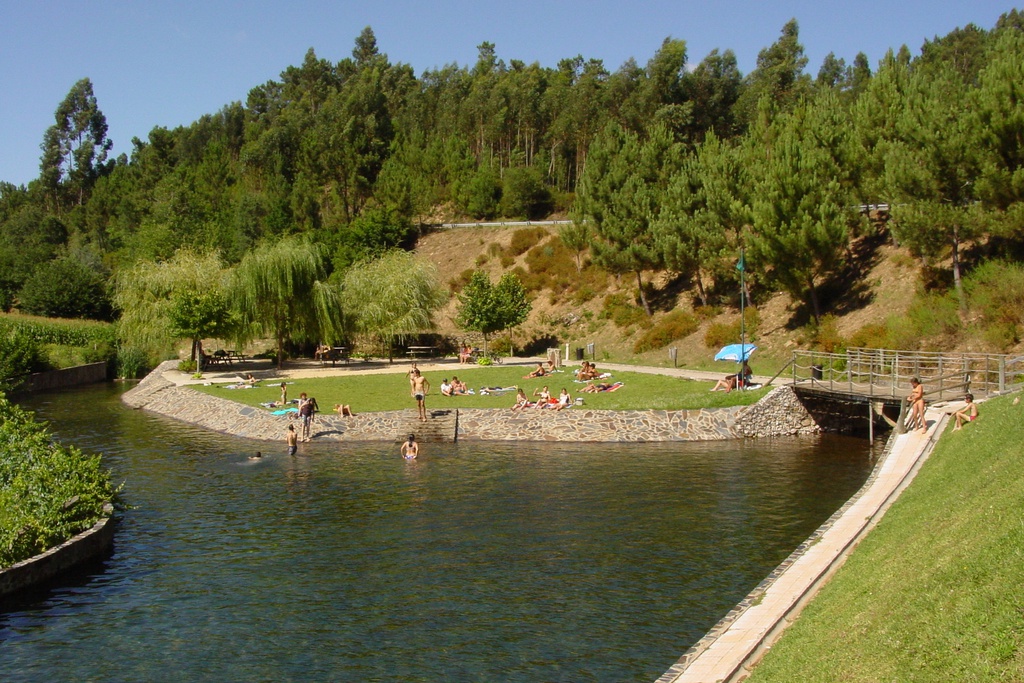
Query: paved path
739, 640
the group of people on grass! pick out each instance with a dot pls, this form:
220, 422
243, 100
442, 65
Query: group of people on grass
544, 399
454, 388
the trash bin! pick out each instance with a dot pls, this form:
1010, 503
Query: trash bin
579, 353
816, 372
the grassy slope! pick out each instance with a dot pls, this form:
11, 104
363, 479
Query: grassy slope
934, 592
372, 393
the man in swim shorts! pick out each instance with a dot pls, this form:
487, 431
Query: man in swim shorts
293, 440
419, 386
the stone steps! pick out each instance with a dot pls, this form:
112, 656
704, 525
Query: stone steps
440, 427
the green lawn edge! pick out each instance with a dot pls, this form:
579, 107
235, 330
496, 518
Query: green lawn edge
933, 593
383, 392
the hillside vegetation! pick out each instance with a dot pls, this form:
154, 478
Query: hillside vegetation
867, 204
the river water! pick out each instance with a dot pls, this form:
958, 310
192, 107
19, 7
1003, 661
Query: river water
479, 562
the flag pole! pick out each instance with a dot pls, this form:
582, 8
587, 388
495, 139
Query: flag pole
741, 266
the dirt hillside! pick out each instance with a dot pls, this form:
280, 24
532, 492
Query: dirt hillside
877, 284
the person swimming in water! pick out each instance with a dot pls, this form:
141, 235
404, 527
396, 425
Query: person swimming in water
410, 449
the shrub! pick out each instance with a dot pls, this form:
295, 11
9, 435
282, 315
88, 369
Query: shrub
524, 238
675, 325
721, 334
934, 315
825, 335
871, 336
20, 354
188, 365
996, 293
501, 346
50, 492
623, 313
131, 362
457, 284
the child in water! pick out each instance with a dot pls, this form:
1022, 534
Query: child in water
410, 449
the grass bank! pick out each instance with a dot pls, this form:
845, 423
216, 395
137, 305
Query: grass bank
934, 591
379, 392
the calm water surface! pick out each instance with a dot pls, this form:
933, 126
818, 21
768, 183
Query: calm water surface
479, 562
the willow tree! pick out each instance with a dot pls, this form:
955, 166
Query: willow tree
164, 301
392, 297
280, 290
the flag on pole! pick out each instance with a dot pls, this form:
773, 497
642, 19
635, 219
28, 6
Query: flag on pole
741, 266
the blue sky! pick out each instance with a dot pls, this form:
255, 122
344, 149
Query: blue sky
167, 63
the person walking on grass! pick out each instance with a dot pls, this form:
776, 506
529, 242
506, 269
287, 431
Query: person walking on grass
419, 388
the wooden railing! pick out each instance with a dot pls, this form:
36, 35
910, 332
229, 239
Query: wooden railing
886, 373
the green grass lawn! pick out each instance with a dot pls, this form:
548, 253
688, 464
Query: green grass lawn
373, 393
934, 593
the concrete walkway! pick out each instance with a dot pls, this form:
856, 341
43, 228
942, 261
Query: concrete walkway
741, 638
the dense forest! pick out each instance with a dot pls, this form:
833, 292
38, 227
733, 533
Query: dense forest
668, 166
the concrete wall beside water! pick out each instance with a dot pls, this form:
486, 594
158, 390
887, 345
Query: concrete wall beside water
89, 545
91, 373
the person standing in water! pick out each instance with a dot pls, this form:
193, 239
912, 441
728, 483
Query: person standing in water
410, 449
419, 386
293, 440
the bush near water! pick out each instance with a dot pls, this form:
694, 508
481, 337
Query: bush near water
48, 492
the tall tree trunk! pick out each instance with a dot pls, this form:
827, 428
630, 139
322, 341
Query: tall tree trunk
643, 294
958, 284
815, 308
701, 292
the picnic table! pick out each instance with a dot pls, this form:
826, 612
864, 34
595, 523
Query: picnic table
222, 357
333, 354
422, 351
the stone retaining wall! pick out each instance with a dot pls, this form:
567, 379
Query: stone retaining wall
779, 413
582, 424
86, 546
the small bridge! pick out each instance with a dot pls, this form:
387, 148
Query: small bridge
880, 378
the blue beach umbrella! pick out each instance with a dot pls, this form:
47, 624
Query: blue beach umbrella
733, 352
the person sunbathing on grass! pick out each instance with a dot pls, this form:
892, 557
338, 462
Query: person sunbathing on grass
521, 401
587, 371
601, 386
538, 372
564, 400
